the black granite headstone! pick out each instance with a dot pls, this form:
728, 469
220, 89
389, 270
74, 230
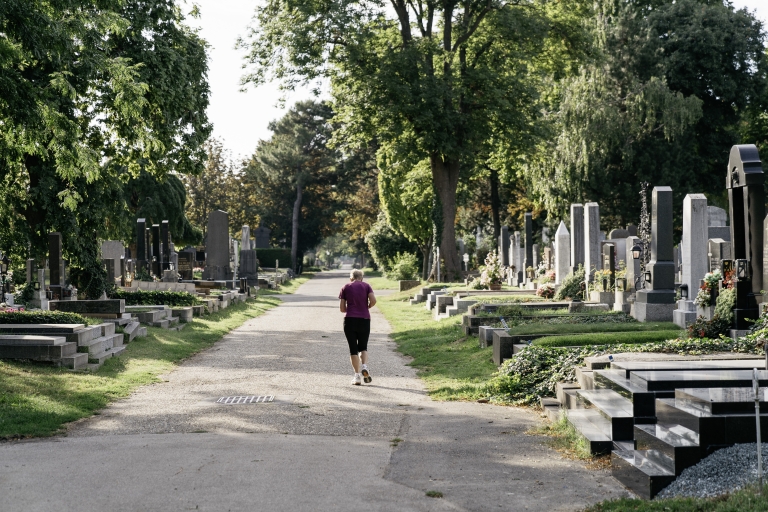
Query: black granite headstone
528, 240
609, 263
165, 240
157, 251
186, 265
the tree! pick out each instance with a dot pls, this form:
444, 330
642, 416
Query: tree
298, 154
95, 94
661, 102
406, 198
439, 76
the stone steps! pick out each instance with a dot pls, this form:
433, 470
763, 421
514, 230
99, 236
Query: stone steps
593, 427
96, 360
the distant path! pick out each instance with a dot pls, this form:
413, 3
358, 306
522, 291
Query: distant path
325, 445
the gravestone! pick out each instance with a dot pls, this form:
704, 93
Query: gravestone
535, 256
693, 254
616, 234
141, 242
186, 264
113, 250
217, 263
746, 197
245, 238
262, 237
591, 240
165, 240
31, 270
718, 223
577, 236
656, 301
56, 266
609, 263
109, 265
545, 235
719, 250
562, 253
528, 242
123, 270
632, 229
548, 258
157, 251
504, 246
633, 265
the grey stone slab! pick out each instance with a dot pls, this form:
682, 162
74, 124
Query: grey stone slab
592, 259
562, 253
719, 232
29, 339
577, 235
504, 246
217, 264
694, 249
717, 217
106, 306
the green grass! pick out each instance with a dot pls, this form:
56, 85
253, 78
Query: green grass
564, 438
739, 501
607, 338
452, 366
290, 287
37, 400
592, 328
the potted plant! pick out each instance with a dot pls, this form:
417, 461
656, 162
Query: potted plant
707, 297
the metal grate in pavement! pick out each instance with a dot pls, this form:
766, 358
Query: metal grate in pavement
237, 400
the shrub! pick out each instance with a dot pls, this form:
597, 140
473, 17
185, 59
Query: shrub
25, 294
546, 291
156, 298
402, 267
267, 257
703, 328
570, 288
606, 338
725, 302
41, 317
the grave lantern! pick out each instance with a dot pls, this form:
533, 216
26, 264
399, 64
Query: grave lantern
684, 291
621, 284
647, 276
742, 269
605, 284
36, 286
636, 251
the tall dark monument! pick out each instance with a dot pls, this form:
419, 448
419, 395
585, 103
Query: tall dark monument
745, 182
157, 251
141, 244
55, 265
165, 239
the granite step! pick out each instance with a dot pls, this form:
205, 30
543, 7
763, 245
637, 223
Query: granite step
552, 408
101, 344
40, 353
643, 401
641, 471
163, 324
678, 443
131, 331
99, 358
591, 425
615, 408
76, 361
685, 365
669, 381
585, 377
561, 387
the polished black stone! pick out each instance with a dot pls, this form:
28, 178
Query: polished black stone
678, 443
594, 428
643, 401
645, 477
615, 408
665, 381
721, 364
723, 400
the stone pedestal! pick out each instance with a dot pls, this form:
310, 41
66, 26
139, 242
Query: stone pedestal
646, 310
685, 314
707, 312
620, 301
601, 297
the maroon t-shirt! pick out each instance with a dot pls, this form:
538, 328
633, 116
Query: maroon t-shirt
356, 295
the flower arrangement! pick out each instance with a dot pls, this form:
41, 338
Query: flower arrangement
10, 309
704, 298
546, 290
601, 277
492, 272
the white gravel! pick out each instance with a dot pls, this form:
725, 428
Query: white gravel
724, 471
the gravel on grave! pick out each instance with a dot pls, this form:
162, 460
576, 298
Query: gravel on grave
726, 470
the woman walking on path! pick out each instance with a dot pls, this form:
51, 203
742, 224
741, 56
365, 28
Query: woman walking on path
355, 299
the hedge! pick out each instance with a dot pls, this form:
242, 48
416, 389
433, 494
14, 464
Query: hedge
267, 257
41, 317
156, 298
607, 338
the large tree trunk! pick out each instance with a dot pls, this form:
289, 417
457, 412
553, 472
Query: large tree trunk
495, 204
425, 249
295, 226
445, 176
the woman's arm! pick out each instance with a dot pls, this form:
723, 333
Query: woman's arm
342, 305
371, 300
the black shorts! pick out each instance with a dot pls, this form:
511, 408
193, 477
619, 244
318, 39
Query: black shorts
357, 331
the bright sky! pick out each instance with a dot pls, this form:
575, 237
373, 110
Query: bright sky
241, 119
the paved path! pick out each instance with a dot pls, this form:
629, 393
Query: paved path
324, 444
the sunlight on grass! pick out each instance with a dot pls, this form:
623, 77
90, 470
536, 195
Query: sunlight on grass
452, 366
37, 400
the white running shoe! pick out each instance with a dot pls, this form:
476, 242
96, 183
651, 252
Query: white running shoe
357, 380
366, 374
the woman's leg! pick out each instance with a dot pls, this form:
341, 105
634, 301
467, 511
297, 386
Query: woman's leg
350, 332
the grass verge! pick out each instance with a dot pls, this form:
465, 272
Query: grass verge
598, 327
739, 501
564, 438
452, 366
607, 338
37, 400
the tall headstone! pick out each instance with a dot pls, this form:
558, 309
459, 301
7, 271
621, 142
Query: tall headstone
157, 251
548, 258
217, 263
31, 270
609, 263
535, 256
528, 241
123, 270
746, 197
656, 301
577, 236
562, 253
632, 229
113, 250
504, 246
262, 237
693, 255
55, 265
165, 240
186, 264
141, 241
633, 265
592, 259
245, 238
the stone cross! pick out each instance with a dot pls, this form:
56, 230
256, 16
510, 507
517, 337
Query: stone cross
504, 246
591, 239
656, 301
562, 253
577, 236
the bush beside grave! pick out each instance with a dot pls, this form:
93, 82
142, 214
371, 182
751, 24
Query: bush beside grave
156, 298
41, 317
267, 257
